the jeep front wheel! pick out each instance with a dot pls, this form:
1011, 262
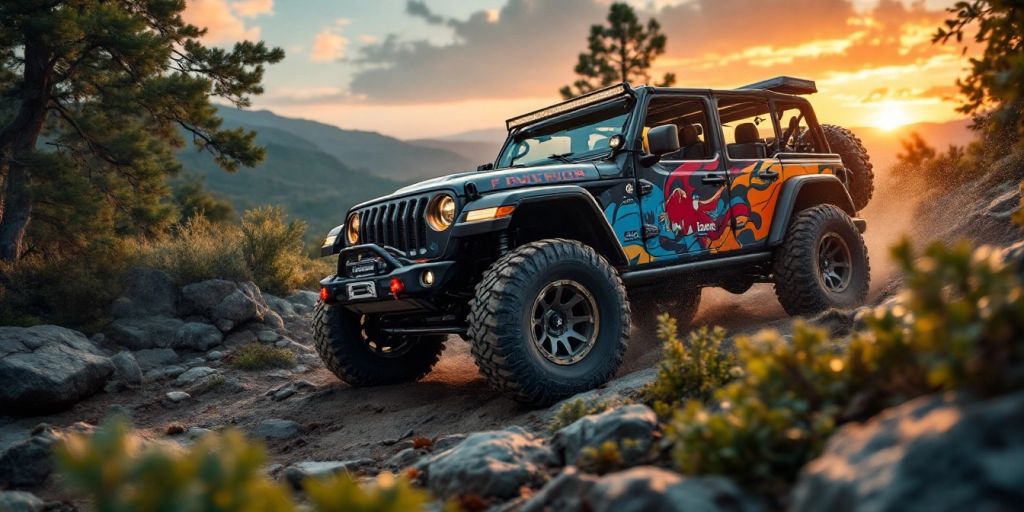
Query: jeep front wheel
549, 320
822, 264
359, 353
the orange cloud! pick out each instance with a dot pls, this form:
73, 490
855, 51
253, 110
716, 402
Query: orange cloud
223, 19
329, 44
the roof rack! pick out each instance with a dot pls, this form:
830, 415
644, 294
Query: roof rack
583, 100
785, 85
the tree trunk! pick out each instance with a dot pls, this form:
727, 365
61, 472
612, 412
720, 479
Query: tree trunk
17, 142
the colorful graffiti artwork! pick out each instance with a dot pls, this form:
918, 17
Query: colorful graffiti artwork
682, 215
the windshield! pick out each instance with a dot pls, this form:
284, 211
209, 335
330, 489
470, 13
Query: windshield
568, 140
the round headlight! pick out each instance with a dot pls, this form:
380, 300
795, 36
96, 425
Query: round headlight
352, 229
441, 212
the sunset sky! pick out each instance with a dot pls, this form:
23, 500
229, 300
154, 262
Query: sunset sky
436, 67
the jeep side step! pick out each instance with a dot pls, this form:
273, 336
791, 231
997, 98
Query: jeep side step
641, 277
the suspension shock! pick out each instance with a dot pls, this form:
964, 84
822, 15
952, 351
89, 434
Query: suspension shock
504, 243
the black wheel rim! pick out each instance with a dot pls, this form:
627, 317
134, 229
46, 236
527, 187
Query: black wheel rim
564, 322
834, 263
381, 344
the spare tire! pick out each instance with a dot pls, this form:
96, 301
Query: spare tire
860, 177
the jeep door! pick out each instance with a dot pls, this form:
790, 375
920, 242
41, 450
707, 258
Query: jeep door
751, 139
684, 197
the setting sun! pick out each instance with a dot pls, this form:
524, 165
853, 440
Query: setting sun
890, 118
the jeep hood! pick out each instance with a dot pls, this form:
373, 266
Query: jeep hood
503, 179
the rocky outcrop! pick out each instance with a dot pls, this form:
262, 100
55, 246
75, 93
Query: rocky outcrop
226, 304
29, 463
634, 422
144, 332
46, 368
147, 292
639, 489
127, 371
935, 453
491, 464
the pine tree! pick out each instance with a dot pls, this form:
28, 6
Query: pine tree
95, 96
621, 51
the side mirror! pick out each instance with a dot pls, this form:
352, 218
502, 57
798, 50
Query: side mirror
484, 167
663, 139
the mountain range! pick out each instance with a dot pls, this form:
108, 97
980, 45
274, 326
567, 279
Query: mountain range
317, 171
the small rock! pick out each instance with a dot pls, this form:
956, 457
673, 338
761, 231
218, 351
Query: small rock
282, 343
155, 357
20, 501
177, 396
446, 442
126, 369
175, 428
215, 355
284, 393
197, 336
267, 336
562, 493
167, 372
195, 361
300, 471
300, 368
404, 459
279, 374
646, 488
489, 464
225, 325
193, 374
636, 422
275, 428
273, 320
310, 360
144, 333
240, 338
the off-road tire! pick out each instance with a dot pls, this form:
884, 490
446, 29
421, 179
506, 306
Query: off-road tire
861, 177
500, 312
681, 304
798, 282
344, 350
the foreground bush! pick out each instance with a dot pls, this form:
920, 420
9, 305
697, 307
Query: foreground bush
959, 325
221, 472
691, 370
255, 356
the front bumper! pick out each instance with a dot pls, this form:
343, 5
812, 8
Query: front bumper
372, 293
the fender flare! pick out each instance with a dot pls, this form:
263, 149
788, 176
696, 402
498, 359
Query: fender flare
520, 198
789, 200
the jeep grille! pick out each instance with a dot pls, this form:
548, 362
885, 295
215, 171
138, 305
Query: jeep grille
398, 224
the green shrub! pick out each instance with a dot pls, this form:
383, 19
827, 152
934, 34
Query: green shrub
199, 250
611, 456
691, 370
569, 412
958, 325
272, 249
255, 356
72, 290
220, 472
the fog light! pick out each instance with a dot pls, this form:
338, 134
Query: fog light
427, 278
397, 287
324, 294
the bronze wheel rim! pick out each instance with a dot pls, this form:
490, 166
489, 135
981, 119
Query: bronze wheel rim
835, 264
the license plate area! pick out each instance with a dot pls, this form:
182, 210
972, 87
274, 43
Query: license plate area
363, 267
362, 290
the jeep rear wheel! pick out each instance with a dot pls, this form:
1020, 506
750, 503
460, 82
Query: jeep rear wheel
549, 320
822, 264
360, 354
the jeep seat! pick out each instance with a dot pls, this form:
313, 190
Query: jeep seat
748, 145
690, 145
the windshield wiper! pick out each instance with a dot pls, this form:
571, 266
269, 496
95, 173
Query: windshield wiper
562, 157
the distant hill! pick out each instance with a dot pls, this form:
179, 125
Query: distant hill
474, 151
310, 184
371, 152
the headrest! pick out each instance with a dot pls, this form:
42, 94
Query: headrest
688, 135
747, 133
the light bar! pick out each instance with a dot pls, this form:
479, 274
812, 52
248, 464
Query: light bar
584, 100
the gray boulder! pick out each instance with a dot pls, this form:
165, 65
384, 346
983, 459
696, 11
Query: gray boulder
563, 493
20, 501
193, 374
197, 336
126, 369
647, 488
488, 464
147, 292
280, 306
303, 299
275, 428
636, 422
144, 333
29, 463
935, 453
226, 303
47, 368
155, 357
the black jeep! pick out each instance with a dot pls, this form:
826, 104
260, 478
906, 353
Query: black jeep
642, 195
